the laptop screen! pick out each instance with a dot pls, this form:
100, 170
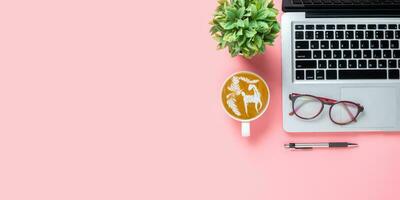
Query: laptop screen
371, 5
346, 2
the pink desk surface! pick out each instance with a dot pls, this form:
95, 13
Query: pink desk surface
120, 100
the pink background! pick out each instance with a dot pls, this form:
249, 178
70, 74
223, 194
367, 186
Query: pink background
120, 100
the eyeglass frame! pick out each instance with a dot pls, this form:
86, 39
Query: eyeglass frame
325, 101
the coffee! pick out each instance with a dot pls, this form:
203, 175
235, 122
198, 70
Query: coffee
245, 96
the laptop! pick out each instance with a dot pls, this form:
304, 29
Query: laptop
342, 50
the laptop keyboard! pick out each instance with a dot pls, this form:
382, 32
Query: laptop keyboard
347, 2
346, 51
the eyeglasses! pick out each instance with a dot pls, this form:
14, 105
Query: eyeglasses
309, 107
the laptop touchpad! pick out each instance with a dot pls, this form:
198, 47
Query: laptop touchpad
380, 105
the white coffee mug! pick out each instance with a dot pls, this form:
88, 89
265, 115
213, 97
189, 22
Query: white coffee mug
245, 97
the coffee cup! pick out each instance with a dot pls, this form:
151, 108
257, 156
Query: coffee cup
245, 97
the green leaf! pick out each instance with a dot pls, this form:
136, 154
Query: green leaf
242, 40
262, 26
240, 12
262, 14
240, 23
253, 10
250, 33
275, 28
228, 25
230, 37
241, 2
214, 29
230, 13
258, 41
239, 32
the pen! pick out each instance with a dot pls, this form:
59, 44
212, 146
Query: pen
319, 145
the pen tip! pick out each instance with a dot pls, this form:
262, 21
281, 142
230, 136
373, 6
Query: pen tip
353, 145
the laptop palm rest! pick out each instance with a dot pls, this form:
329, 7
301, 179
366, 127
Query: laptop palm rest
380, 106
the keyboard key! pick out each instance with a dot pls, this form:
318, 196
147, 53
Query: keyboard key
334, 44
359, 35
351, 26
329, 34
392, 64
394, 74
371, 63
299, 27
392, 26
310, 75
306, 64
354, 44
337, 54
327, 54
309, 35
389, 34
342, 64
367, 54
382, 26
314, 45
322, 64
356, 54
374, 44
371, 26
396, 53
349, 34
369, 34
384, 44
331, 74
332, 64
299, 74
364, 44
320, 74
299, 35
362, 63
330, 26
362, 74
382, 64
394, 44
352, 64
378, 34
324, 44
340, 26
397, 34
317, 54
320, 27
347, 54
302, 45
344, 44
309, 27
361, 26
377, 54
387, 54
303, 54
339, 35
319, 35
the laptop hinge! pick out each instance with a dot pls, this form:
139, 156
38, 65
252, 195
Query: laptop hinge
352, 14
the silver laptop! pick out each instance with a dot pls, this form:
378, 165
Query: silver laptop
340, 65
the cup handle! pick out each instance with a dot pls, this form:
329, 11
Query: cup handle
245, 129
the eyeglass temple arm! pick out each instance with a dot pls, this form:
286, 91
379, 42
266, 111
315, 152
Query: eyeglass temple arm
324, 99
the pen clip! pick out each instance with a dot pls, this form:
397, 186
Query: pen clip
303, 148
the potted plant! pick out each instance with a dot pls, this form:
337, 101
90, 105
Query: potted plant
245, 26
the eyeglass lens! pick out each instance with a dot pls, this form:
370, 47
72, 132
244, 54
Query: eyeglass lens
307, 106
344, 112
